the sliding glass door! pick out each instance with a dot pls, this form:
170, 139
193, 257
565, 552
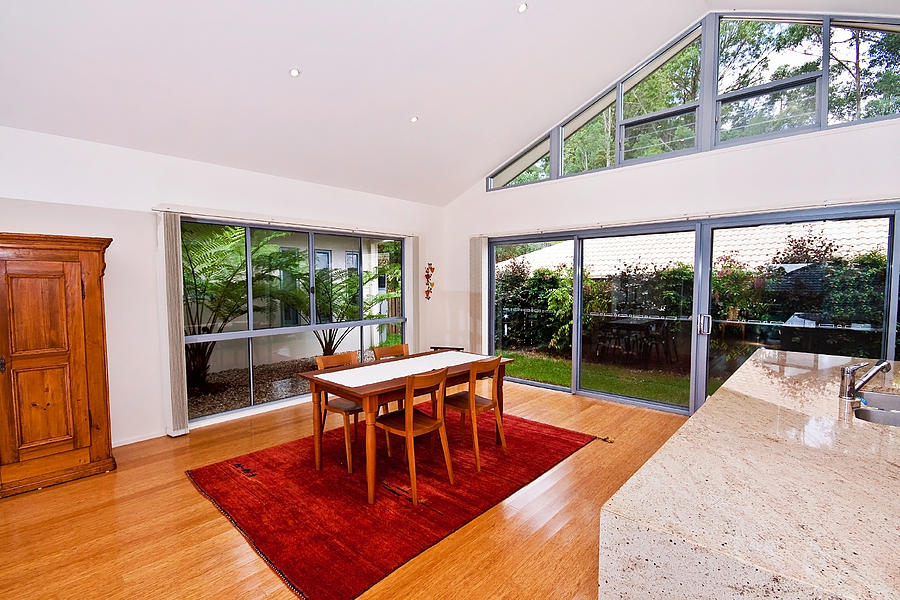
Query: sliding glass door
636, 306
665, 313
533, 309
808, 286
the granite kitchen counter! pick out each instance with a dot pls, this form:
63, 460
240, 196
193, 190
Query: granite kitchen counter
763, 493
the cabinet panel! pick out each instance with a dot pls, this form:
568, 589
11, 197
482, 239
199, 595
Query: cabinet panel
43, 405
37, 313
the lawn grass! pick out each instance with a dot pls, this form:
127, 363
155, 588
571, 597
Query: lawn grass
659, 386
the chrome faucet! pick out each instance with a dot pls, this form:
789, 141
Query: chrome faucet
850, 387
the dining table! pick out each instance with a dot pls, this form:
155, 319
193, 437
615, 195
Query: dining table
375, 383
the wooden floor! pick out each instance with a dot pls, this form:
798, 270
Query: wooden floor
145, 532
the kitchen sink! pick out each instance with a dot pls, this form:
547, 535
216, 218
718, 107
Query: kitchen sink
881, 400
882, 408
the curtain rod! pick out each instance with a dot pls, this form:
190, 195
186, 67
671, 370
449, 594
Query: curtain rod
255, 219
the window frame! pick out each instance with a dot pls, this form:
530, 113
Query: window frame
708, 107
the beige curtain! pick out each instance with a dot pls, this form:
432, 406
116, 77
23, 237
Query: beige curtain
175, 311
478, 273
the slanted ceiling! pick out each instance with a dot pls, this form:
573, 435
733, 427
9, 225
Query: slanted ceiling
208, 79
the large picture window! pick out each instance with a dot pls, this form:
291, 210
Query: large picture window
348, 299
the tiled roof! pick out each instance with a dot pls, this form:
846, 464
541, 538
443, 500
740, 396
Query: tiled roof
753, 246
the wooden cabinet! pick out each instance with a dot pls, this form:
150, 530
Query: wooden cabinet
54, 399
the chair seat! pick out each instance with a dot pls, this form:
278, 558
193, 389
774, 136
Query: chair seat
460, 401
396, 421
342, 405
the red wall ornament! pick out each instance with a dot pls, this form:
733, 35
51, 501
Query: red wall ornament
429, 280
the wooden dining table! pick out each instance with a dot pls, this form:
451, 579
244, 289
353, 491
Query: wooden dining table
374, 384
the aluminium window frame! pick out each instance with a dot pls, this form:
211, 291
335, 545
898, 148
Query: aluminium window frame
250, 333
707, 121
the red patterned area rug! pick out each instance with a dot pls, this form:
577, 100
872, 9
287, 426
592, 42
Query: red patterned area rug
316, 530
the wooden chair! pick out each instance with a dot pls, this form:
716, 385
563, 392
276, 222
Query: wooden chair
391, 351
411, 423
339, 405
468, 402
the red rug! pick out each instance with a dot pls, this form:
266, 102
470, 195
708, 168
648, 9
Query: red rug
316, 530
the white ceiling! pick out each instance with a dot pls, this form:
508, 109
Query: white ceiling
208, 79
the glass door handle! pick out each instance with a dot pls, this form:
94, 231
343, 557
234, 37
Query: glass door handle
704, 325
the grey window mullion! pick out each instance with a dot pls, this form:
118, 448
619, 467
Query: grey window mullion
313, 317
707, 118
771, 86
555, 152
893, 289
620, 128
577, 287
237, 335
249, 273
659, 115
250, 368
359, 275
700, 343
492, 296
825, 81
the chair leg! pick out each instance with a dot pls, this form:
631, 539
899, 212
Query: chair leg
355, 428
443, 432
475, 441
387, 442
347, 444
500, 429
411, 457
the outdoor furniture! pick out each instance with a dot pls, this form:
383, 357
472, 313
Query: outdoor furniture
377, 383
339, 405
468, 402
411, 423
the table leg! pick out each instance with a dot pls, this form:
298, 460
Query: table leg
371, 409
500, 375
317, 425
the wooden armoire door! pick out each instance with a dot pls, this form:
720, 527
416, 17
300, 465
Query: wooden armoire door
44, 405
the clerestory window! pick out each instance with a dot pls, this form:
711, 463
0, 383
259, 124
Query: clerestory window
767, 76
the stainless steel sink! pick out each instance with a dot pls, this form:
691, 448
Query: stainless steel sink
882, 408
881, 400
877, 415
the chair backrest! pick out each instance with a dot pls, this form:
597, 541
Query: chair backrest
338, 360
425, 383
489, 367
389, 351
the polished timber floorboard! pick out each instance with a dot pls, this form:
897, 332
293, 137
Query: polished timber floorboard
145, 532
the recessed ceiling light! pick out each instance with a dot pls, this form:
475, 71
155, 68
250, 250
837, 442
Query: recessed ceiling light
295, 72
523, 6
413, 119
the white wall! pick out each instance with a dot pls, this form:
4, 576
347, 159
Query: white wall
855, 164
52, 184
130, 290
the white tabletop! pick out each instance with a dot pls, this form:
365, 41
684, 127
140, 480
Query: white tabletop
385, 371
